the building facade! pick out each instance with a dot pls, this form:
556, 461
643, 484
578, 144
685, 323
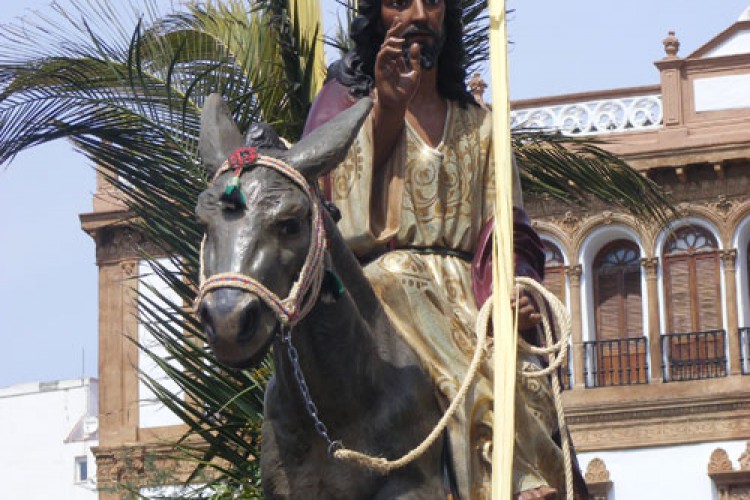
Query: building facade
659, 384
48, 431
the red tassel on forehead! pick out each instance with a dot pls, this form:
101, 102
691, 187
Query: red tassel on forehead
243, 158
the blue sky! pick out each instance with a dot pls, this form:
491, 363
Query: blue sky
48, 276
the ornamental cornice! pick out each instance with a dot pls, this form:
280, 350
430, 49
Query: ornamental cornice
118, 243
662, 431
658, 412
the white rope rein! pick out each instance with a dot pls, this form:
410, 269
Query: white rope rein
383, 465
557, 353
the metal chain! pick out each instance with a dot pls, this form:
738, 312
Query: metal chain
312, 410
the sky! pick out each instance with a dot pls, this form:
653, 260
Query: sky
48, 273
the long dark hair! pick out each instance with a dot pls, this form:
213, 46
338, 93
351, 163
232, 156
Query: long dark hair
356, 69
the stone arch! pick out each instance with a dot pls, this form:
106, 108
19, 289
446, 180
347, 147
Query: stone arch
603, 220
741, 242
589, 247
709, 225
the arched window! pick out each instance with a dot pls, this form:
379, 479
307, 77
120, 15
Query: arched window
694, 346
692, 281
554, 270
620, 345
617, 291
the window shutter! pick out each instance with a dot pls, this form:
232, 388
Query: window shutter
678, 294
609, 325
554, 281
633, 307
708, 291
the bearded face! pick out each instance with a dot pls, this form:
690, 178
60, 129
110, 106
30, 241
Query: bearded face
423, 22
430, 44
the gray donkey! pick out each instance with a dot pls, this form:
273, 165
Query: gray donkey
364, 385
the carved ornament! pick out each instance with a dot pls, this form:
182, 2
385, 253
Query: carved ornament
722, 205
729, 258
574, 275
745, 458
570, 222
719, 461
597, 472
651, 265
671, 45
118, 243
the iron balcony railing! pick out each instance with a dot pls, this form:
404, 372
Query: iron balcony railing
564, 373
694, 355
744, 334
616, 362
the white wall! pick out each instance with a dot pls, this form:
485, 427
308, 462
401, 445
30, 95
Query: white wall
663, 473
151, 412
41, 435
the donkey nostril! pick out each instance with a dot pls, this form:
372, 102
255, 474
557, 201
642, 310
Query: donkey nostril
208, 323
249, 320
210, 334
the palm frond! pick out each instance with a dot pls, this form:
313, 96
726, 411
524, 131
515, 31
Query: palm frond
576, 170
127, 91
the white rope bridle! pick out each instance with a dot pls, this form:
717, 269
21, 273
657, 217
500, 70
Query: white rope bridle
301, 299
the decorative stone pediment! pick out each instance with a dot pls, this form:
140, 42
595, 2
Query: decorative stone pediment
597, 479
731, 483
732, 41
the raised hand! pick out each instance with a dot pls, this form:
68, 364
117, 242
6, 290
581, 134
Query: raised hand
395, 82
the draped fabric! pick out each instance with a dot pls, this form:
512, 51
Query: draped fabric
441, 197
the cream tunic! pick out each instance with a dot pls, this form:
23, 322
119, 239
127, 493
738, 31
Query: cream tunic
441, 197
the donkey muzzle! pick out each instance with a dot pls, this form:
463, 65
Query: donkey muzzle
232, 319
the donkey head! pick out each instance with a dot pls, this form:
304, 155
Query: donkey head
258, 224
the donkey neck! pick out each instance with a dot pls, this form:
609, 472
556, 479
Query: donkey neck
344, 344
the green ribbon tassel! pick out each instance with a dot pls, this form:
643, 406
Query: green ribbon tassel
233, 194
332, 282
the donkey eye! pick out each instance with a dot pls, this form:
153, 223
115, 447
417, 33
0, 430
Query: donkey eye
289, 227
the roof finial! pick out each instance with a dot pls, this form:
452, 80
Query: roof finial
671, 45
477, 87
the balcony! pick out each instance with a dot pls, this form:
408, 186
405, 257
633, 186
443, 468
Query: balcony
694, 356
616, 362
592, 114
744, 334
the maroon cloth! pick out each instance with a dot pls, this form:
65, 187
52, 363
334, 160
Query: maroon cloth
332, 99
528, 255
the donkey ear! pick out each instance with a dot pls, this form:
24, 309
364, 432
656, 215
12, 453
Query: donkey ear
326, 146
219, 134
